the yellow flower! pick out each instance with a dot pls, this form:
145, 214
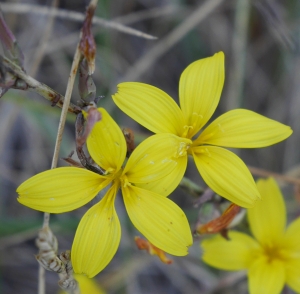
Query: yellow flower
273, 259
97, 237
200, 89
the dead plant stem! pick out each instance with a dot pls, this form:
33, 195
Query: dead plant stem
62, 121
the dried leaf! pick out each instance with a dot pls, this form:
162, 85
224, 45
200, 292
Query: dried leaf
87, 44
129, 138
143, 244
93, 116
86, 85
220, 223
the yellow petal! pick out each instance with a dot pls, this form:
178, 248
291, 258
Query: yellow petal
166, 185
162, 156
234, 254
226, 174
241, 128
292, 236
97, 237
61, 189
159, 219
106, 143
150, 106
266, 276
200, 89
268, 218
292, 274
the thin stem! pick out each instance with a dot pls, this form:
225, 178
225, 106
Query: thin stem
62, 121
66, 106
63, 117
191, 187
40, 88
61, 127
41, 282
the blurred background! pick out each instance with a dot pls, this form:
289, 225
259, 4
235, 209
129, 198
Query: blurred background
260, 39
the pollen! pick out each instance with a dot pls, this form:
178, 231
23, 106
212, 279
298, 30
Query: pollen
182, 148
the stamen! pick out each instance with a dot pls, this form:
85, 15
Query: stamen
110, 170
182, 148
199, 116
125, 181
195, 122
186, 130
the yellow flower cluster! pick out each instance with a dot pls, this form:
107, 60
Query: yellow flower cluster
156, 166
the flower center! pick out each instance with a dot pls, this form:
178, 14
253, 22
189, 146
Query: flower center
182, 147
201, 150
124, 181
274, 252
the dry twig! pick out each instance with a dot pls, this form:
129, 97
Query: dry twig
76, 60
71, 15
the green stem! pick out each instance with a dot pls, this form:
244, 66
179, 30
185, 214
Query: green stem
190, 187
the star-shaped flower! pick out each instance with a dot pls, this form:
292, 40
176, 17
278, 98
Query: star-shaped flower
200, 89
97, 237
273, 257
